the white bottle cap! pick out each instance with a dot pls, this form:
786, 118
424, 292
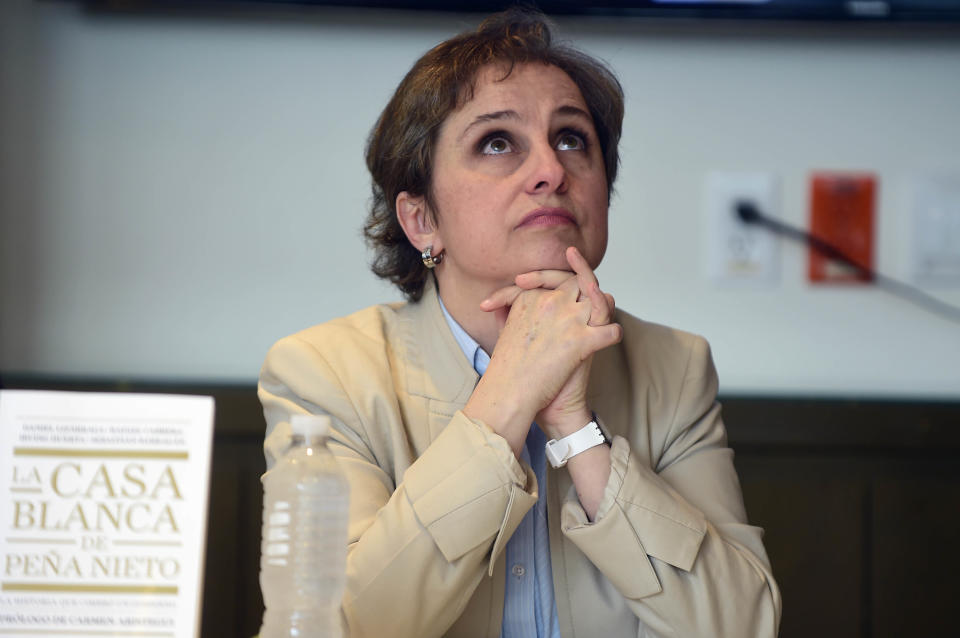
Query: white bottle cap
310, 425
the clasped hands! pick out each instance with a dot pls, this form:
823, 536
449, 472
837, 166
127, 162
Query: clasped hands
551, 323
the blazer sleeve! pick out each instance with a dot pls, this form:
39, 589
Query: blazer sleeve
674, 539
418, 549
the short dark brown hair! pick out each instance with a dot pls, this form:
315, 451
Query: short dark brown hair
401, 144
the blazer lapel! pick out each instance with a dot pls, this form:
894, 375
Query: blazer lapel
439, 380
436, 369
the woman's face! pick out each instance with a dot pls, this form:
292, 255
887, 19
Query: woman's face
518, 177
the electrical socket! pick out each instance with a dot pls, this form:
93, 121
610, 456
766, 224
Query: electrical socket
934, 231
735, 252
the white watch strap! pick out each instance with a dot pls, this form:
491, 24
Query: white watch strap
562, 450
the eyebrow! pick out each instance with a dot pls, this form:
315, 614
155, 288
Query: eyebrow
489, 117
513, 115
574, 110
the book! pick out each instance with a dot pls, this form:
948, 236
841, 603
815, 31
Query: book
103, 516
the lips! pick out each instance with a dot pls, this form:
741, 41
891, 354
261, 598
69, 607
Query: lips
548, 217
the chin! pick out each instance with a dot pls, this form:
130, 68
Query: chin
551, 254
554, 259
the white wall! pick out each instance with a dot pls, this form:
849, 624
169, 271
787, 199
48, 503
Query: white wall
178, 192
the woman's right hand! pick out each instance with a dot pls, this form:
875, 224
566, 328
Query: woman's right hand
546, 337
568, 411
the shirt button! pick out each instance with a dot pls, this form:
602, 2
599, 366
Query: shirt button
518, 570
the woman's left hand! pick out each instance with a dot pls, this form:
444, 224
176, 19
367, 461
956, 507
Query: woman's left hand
568, 412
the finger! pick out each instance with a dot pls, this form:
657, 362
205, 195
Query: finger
590, 287
502, 298
580, 265
601, 337
601, 310
501, 315
611, 302
542, 279
571, 286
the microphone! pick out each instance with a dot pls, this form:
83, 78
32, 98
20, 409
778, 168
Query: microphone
749, 213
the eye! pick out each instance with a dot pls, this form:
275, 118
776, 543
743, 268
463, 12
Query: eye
495, 145
571, 141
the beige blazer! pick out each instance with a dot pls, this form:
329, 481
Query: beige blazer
435, 495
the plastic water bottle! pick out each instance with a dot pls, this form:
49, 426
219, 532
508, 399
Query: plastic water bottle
303, 552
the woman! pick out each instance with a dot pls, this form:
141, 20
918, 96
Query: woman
492, 167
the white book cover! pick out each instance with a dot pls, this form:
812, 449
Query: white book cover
103, 516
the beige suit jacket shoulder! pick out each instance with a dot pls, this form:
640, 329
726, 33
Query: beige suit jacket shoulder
435, 496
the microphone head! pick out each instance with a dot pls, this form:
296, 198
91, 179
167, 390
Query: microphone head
747, 211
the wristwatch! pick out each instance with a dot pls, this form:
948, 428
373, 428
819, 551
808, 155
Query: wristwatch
562, 450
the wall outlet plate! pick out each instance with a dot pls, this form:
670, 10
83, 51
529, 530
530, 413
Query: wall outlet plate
735, 252
934, 214
842, 214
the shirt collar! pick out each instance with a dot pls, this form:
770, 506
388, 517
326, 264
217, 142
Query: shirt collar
471, 349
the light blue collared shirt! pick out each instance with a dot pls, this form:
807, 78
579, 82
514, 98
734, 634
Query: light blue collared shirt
529, 606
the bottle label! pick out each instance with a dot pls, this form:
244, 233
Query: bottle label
277, 534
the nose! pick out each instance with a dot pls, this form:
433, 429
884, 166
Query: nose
547, 173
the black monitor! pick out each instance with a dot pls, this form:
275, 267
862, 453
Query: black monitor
839, 10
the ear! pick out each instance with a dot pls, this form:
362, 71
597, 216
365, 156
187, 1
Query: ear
417, 222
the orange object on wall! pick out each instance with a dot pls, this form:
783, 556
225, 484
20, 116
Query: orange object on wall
841, 214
